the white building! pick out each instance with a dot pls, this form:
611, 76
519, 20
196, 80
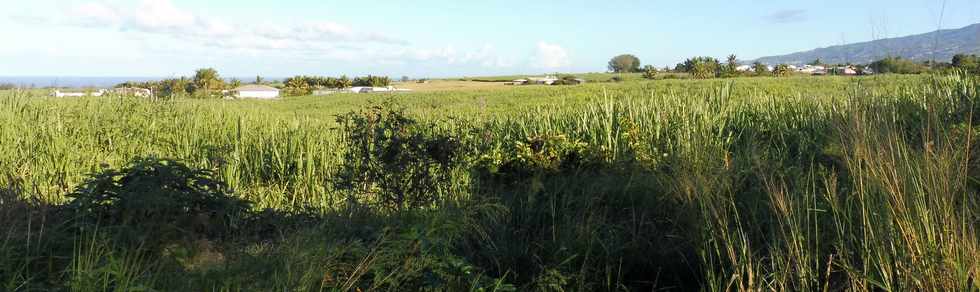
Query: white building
133, 91
811, 69
59, 93
743, 68
547, 80
256, 91
365, 89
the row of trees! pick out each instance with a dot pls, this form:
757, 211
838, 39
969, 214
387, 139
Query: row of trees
701, 67
704, 67
898, 65
969, 63
206, 83
301, 85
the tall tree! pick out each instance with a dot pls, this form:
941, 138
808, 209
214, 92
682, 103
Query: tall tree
967, 62
702, 67
732, 67
206, 81
624, 64
760, 69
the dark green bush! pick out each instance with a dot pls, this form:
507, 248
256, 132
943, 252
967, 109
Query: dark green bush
393, 162
156, 201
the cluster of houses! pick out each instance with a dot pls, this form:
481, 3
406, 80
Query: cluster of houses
547, 80
816, 69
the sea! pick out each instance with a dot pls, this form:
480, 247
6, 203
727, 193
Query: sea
85, 82
69, 81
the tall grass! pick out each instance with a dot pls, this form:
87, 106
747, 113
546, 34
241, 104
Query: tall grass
812, 184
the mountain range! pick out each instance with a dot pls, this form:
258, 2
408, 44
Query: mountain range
940, 45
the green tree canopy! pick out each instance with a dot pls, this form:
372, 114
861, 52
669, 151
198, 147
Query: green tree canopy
760, 69
898, 66
207, 81
702, 67
624, 64
967, 62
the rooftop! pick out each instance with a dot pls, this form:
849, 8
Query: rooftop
255, 87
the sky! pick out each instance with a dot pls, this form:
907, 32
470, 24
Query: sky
433, 38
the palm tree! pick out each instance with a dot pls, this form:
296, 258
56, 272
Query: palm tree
207, 79
297, 85
732, 63
345, 82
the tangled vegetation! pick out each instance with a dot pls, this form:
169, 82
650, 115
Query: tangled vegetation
801, 184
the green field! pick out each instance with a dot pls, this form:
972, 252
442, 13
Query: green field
797, 183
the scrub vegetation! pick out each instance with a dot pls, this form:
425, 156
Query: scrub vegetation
796, 183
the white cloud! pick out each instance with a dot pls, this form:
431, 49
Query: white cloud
486, 56
163, 17
551, 56
96, 14
164, 28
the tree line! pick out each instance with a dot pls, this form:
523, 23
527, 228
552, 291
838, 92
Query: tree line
704, 67
208, 83
302, 85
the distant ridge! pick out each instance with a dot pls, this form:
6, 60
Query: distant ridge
920, 47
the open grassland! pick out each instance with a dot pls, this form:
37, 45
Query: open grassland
801, 183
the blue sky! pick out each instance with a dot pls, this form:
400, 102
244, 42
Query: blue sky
431, 38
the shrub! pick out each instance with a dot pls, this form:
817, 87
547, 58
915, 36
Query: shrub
702, 67
540, 155
567, 80
649, 72
391, 162
898, 66
155, 201
781, 70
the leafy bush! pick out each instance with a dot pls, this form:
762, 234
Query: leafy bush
539, 155
702, 67
970, 63
567, 80
781, 70
372, 81
155, 201
898, 66
649, 72
392, 162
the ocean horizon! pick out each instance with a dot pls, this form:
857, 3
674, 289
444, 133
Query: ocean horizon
84, 81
